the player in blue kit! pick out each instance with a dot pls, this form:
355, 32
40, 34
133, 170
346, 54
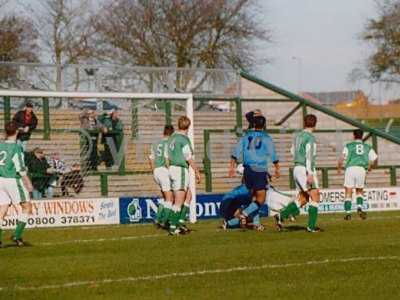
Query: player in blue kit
281, 206
255, 149
231, 204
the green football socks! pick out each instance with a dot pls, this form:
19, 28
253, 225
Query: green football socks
160, 213
291, 210
312, 216
19, 230
184, 213
174, 217
360, 201
347, 206
166, 213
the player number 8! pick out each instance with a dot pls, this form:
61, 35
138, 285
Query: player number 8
360, 149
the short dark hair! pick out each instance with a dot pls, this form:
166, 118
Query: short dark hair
259, 122
168, 130
29, 104
310, 121
358, 134
11, 128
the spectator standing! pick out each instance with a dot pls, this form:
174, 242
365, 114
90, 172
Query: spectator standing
112, 137
41, 174
26, 121
92, 126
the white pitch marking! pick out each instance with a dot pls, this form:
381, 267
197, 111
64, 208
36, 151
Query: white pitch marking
134, 237
99, 240
201, 272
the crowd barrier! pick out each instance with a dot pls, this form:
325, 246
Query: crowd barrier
130, 210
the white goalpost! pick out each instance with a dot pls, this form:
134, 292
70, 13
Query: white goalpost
114, 96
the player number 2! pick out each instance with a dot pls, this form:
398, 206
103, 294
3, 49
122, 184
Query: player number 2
360, 149
3, 157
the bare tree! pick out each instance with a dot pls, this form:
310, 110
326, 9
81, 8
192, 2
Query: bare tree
18, 42
65, 33
3, 3
383, 32
180, 33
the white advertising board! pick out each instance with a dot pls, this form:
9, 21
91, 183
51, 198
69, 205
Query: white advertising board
68, 212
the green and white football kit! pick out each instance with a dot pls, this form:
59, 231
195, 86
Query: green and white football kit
12, 168
179, 152
304, 152
357, 155
161, 173
12, 189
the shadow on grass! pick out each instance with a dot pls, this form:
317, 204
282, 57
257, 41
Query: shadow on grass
294, 228
15, 246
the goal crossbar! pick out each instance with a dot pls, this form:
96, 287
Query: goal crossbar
111, 95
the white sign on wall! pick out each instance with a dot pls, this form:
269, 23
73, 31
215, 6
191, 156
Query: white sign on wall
68, 212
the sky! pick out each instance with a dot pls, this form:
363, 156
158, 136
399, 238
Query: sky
316, 42
315, 45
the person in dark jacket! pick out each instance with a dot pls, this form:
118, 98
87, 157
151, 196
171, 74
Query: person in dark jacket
41, 174
112, 136
27, 122
92, 127
72, 179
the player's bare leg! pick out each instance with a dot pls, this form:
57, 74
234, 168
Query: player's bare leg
360, 202
3, 211
347, 202
303, 198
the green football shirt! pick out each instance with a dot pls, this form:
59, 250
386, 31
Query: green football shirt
358, 154
304, 150
180, 150
158, 153
12, 163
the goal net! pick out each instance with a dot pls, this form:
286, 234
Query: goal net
110, 162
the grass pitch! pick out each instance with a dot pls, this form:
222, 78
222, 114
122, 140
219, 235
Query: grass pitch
350, 260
